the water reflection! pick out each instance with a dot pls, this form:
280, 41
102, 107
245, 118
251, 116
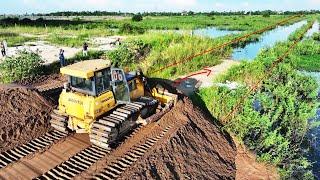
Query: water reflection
268, 39
314, 29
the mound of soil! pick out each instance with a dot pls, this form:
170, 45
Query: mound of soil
197, 150
43, 80
24, 115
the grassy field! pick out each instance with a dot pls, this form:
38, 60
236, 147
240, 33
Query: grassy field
75, 35
14, 39
157, 50
192, 22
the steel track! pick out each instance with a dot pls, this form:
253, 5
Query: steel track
14, 155
80, 162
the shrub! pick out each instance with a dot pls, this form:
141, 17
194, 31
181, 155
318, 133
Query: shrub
127, 28
129, 53
24, 65
316, 36
137, 17
91, 55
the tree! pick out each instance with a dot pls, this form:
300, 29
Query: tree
137, 17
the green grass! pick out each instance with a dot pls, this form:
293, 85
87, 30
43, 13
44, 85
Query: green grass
275, 129
75, 35
170, 48
201, 21
307, 55
154, 51
309, 63
14, 39
316, 36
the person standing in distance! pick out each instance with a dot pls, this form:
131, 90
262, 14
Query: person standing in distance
3, 50
85, 49
61, 58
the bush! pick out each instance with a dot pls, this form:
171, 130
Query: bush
127, 28
129, 53
137, 17
91, 55
316, 36
24, 65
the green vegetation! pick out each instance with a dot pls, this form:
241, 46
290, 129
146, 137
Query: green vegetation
24, 65
192, 22
128, 28
316, 36
294, 36
156, 50
73, 34
162, 49
92, 54
68, 40
190, 13
308, 55
129, 53
137, 17
14, 39
273, 119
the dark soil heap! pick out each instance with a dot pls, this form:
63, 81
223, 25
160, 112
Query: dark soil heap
24, 115
197, 150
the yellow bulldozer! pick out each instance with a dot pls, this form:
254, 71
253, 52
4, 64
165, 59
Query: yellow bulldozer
106, 102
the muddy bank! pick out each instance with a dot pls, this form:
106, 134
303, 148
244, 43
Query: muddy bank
249, 168
197, 150
24, 115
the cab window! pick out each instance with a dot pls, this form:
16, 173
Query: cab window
81, 83
103, 81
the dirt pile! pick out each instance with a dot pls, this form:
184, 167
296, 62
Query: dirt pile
24, 115
44, 80
197, 150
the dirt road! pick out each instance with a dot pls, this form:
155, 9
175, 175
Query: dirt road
202, 79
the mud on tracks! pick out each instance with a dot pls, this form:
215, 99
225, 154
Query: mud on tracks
24, 115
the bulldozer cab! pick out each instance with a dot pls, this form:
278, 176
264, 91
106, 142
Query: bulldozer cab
93, 86
95, 77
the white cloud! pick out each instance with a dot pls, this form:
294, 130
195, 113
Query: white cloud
219, 5
315, 2
245, 4
180, 3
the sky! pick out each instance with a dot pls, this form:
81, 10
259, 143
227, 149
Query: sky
45, 6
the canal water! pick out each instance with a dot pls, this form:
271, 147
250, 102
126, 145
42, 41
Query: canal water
315, 28
268, 39
213, 32
314, 134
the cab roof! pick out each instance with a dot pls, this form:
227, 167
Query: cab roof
85, 69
